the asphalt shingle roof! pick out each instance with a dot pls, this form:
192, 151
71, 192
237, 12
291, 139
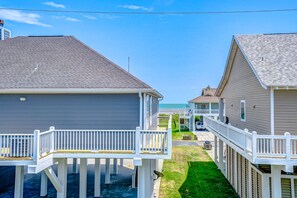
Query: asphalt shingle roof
273, 57
59, 62
208, 95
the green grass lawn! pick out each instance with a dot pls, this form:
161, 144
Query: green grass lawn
176, 134
192, 174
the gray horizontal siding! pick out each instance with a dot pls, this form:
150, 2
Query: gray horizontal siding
89, 111
243, 85
285, 103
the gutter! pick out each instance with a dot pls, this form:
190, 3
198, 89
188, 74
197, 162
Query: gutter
76, 91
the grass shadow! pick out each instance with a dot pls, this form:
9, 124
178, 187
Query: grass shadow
204, 179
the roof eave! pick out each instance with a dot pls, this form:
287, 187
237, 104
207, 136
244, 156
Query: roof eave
224, 79
79, 91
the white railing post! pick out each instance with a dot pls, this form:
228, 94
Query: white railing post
169, 136
52, 129
244, 146
228, 131
254, 146
137, 140
36, 145
288, 145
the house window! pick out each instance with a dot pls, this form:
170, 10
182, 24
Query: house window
242, 110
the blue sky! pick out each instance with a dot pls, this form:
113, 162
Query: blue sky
178, 54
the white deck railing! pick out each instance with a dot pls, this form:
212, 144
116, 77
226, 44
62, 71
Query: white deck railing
16, 145
206, 111
252, 145
40, 144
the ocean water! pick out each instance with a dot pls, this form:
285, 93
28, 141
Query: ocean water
172, 106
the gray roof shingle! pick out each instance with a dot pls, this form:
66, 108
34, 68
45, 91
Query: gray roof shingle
273, 57
208, 95
59, 62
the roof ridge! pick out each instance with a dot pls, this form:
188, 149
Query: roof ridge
112, 63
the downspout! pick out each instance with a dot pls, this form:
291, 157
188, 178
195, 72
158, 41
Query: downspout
144, 111
272, 110
140, 110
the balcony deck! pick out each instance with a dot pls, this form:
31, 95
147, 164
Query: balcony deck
199, 112
259, 149
35, 149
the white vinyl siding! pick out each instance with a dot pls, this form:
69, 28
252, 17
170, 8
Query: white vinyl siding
285, 102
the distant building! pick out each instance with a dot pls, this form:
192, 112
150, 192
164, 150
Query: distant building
205, 104
4, 33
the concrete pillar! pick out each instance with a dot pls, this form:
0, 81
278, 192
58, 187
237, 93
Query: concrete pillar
97, 182
221, 153
265, 185
115, 166
75, 168
145, 180
122, 162
19, 182
276, 181
62, 176
134, 177
107, 171
249, 179
83, 177
43, 184
216, 150
235, 171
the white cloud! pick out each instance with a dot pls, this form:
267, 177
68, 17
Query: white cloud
136, 7
55, 5
90, 17
22, 17
67, 18
101, 16
72, 19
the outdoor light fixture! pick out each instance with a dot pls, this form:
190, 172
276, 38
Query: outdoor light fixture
158, 174
23, 98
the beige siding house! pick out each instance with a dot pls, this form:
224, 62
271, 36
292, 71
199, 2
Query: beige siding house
258, 116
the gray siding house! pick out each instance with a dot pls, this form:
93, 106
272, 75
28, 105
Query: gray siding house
258, 116
59, 81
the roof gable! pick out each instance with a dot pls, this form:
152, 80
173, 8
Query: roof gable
272, 58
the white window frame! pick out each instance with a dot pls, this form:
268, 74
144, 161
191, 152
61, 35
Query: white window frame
244, 109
